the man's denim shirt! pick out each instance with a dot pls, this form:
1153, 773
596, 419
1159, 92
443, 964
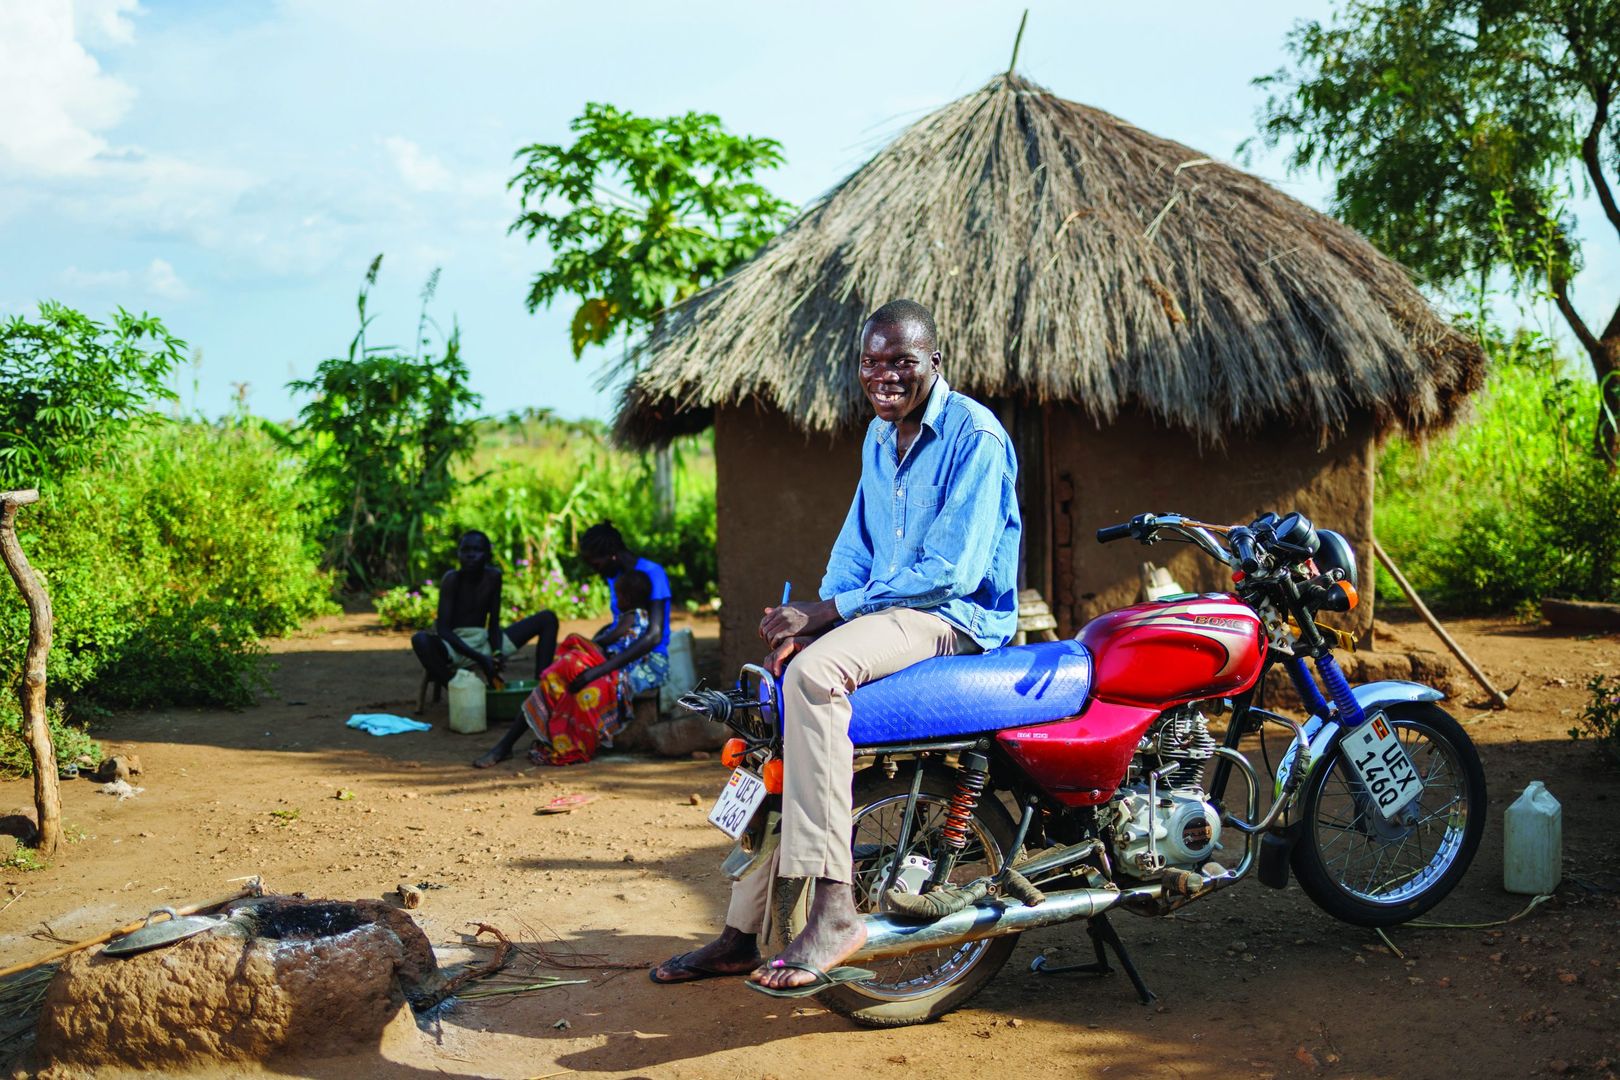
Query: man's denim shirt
939, 530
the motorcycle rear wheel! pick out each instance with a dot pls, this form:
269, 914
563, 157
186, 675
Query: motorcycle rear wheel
924, 985
1369, 872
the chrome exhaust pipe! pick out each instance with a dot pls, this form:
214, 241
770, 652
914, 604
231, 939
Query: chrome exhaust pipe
888, 935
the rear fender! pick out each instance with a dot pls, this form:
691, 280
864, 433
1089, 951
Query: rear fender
1323, 733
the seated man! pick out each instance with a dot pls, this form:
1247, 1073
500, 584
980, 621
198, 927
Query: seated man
467, 632
926, 565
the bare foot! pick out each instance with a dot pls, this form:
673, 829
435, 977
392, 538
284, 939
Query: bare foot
490, 760
732, 953
833, 933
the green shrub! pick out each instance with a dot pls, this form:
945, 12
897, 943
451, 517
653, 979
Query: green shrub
1512, 505
381, 441
73, 386
405, 608
1600, 718
165, 571
71, 742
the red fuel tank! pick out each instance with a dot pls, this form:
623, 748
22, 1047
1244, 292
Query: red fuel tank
1165, 652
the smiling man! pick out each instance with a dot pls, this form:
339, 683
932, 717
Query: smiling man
925, 565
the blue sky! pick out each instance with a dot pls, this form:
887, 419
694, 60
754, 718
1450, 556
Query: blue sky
234, 167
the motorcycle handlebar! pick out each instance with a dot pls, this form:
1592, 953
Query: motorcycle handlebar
1242, 541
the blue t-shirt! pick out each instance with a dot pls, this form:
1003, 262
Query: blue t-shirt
660, 595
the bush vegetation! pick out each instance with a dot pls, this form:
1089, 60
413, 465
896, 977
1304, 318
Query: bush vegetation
534, 484
1512, 505
164, 569
381, 440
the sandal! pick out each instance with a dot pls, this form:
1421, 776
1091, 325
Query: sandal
562, 804
820, 980
686, 971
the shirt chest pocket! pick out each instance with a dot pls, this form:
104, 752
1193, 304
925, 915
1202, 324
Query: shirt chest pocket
924, 496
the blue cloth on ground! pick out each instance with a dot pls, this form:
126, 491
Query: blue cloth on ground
386, 723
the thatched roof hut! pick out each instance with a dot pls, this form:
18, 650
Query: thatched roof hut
1079, 268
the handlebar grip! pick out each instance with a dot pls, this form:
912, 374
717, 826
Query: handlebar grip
1242, 541
1110, 533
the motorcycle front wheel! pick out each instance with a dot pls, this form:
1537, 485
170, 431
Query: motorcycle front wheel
926, 984
1369, 871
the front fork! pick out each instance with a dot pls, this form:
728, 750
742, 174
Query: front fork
1346, 713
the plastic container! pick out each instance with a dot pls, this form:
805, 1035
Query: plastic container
467, 703
501, 706
1533, 842
682, 669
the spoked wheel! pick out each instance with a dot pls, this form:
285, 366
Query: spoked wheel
1370, 871
922, 985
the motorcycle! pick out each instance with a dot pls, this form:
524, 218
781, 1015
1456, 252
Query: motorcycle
1054, 782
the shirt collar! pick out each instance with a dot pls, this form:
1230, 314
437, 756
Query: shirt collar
931, 411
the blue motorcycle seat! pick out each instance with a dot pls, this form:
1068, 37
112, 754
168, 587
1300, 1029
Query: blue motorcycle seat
970, 695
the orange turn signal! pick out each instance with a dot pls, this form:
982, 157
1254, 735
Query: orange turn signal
1350, 594
772, 774
731, 754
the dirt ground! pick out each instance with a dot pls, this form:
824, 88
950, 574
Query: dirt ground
1251, 982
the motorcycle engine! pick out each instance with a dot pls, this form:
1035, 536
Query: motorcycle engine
1168, 822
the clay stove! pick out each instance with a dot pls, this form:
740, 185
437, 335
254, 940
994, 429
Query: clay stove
282, 976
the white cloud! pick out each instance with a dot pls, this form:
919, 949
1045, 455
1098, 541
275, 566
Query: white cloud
418, 168
102, 22
95, 279
54, 98
159, 279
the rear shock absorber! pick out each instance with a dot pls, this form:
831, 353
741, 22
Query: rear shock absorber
972, 773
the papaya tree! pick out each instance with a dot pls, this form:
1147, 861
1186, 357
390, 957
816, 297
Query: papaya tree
639, 213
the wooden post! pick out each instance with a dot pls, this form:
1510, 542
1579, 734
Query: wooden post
1497, 698
36, 732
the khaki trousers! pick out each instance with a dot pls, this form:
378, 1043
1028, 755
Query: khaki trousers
818, 757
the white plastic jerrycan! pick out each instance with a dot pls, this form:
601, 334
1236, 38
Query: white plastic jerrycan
467, 703
1533, 842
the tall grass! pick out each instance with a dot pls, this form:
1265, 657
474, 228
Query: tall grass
535, 483
1511, 505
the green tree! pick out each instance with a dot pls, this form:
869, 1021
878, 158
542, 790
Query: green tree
639, 214
1460, 132
653, 211
380, 440
72, 386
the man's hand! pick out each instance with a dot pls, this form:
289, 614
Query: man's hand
777, 662
799, 619
489, 665
585, 678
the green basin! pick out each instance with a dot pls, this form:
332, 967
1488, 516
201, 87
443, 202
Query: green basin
500, 706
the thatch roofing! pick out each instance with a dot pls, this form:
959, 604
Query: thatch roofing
1067, 256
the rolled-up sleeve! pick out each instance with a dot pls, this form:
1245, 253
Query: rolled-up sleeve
957, 547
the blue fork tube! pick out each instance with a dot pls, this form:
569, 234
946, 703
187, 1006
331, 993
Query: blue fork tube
1306, 688
1350, 713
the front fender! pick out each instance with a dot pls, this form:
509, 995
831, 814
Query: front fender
1323, 733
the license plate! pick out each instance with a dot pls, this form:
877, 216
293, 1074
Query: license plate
738, 800
1377, 757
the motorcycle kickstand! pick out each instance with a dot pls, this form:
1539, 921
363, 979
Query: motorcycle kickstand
1102, 934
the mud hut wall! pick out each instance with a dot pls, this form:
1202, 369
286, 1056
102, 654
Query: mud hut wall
780, 499
1101, 477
